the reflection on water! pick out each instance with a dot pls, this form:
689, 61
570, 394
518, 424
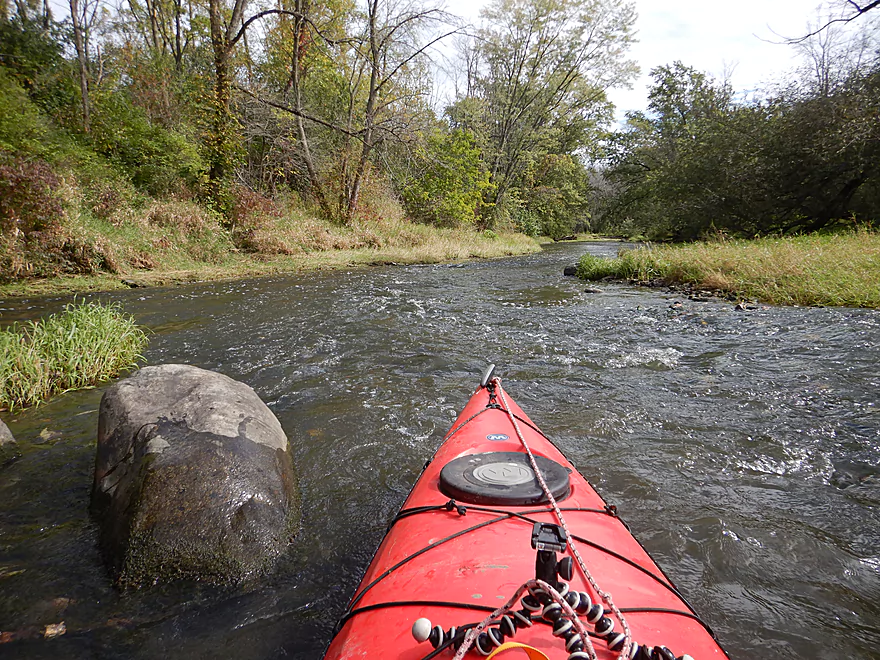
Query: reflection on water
741, 446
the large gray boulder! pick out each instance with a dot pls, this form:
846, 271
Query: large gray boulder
192, 478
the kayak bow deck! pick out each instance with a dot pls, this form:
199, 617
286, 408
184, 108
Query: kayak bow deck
464, 561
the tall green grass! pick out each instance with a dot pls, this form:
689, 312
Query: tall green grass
84, 345
817, 269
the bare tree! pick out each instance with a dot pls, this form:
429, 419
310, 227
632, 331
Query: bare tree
83, 16
849, 11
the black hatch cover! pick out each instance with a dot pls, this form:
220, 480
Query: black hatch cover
504, 478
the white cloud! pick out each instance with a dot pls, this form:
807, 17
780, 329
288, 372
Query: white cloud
714, 36
734, 38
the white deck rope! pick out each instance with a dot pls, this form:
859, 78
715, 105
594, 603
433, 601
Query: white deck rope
627, 644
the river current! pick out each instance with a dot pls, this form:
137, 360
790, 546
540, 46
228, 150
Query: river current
741, 446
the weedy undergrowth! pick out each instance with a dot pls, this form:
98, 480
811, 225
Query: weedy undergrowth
83, 345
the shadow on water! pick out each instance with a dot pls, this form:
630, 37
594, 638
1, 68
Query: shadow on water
742, 448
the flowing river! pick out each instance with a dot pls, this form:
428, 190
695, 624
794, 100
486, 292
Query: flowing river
742, 447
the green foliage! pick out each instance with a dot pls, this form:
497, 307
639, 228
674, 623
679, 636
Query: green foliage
699, 163
158, 161
449, 180
22, 127
86, 344
557, 196
595, 268
33, 56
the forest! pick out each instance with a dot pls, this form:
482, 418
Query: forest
232, 125
248, 110
802, 157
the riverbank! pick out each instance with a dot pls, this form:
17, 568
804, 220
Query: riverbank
173, 242
841, 270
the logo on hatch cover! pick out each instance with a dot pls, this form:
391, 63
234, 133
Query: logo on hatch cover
497, 437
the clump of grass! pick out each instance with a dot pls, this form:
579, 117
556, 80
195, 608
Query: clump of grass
817, 269
84, 345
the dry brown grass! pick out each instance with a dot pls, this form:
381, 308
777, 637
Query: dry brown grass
837, 269
174, 241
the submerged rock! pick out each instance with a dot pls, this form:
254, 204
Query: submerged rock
192, 478
570, 271
851, 473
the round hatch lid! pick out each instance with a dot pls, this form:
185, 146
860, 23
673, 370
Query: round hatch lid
502, 477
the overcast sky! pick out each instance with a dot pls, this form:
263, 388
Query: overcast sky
709, 35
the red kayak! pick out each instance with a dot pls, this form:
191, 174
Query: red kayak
502, 547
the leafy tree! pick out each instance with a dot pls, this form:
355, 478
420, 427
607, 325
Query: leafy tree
556, 194
799, 160
540, 69
447, 180
33, 52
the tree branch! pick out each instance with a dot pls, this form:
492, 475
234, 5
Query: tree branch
860, 9
298, 113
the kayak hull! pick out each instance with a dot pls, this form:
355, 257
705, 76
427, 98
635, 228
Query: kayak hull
454, 562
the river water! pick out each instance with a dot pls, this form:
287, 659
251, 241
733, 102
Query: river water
742, 447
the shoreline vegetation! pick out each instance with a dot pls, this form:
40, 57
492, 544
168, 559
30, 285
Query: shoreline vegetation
841, 269
86, 344
175, 242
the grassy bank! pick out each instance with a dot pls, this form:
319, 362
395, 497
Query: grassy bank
173, 241
834, 270
84, 345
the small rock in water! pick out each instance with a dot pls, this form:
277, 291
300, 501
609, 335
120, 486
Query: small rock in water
47, 436
570, 271
5, 435
590, 290
849, 473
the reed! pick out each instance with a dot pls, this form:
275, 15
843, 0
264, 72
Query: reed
816, 269
84, 345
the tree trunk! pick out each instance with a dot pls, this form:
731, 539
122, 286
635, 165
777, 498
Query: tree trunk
299, 26
81, 57
221, 141
369, 115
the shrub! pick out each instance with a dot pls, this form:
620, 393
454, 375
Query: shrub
29, 201
158, 161
21, 126
30, 218
450, 182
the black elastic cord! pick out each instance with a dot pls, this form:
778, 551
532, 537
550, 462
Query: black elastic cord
388, 571
488, 608
405, 513
524, 517
403, 603
667, 610
506, 515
